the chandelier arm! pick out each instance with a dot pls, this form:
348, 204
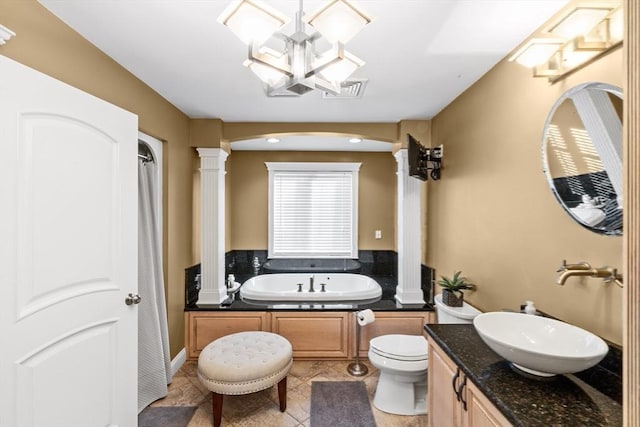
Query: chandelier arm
262, 58
324, 62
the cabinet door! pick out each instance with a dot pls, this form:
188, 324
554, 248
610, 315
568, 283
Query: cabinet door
481, 413
444, 408
314, 335
202, 327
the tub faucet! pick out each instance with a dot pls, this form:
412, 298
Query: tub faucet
311, 284
608, 274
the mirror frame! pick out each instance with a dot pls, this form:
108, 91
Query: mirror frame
545, 155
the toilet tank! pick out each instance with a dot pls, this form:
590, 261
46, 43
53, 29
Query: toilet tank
446, 314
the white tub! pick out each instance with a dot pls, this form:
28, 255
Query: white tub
284, 287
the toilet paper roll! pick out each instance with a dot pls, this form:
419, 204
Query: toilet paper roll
365, 317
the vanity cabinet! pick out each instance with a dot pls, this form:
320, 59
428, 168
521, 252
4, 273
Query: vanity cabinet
202, 327
481, 412
314, 335
453, 400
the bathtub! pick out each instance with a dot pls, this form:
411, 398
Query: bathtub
284, 287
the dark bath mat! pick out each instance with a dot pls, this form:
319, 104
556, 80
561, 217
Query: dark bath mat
166, 416
340, 404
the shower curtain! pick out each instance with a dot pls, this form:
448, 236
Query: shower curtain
154, 364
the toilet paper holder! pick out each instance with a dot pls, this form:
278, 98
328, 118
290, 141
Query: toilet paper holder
362, 318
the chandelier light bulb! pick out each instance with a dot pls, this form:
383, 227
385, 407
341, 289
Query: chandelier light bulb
338, 21
252, 20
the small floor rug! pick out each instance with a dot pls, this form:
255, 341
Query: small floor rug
340, 404
166, 416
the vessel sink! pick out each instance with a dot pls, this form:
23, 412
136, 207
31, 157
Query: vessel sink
538, 345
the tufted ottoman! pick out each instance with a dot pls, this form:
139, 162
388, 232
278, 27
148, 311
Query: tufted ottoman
245, 363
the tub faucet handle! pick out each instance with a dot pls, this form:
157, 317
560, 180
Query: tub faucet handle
322, 285
299, 285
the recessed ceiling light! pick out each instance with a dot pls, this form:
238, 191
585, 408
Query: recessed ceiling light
273, 140
355, 140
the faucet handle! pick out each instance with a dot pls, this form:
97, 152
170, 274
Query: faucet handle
582, 265
563, 267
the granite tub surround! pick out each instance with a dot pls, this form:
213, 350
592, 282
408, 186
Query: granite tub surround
379, 265
564, 400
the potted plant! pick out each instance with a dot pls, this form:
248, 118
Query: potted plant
452, 289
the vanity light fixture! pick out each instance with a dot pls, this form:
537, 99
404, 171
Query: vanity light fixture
294, 64
5, 34
273, 140
580, 35
355, 140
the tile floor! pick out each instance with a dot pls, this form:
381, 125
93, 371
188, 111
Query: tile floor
261, 409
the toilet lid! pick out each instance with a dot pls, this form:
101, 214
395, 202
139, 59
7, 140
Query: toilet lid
402, 347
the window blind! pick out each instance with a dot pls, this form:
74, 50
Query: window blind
313, 214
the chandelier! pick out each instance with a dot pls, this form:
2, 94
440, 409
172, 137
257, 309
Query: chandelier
294, 64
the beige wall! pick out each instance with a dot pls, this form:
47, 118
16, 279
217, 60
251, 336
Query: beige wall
45, 43
248, 184
493, 216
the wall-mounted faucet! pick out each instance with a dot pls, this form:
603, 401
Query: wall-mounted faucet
608, 274
311, 284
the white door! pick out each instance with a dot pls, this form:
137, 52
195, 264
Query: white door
68, 255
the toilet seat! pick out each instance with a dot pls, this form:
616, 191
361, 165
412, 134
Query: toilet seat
408, 348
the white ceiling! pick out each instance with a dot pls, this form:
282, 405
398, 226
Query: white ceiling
420, 54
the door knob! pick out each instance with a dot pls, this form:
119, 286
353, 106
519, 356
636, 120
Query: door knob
132, 299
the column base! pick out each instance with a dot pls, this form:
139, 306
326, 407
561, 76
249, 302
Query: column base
212, 297
409, 297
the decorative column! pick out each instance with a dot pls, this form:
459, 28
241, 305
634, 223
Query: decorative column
212, 290
409, 290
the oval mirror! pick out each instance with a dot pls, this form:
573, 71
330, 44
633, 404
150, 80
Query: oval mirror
582, 155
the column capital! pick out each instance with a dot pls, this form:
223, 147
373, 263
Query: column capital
401, 156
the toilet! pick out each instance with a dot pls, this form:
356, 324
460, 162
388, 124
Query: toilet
402, 361
447, 314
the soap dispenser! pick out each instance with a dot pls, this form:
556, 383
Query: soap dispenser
530, 308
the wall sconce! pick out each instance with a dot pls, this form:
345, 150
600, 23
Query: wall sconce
577, 37
5, 34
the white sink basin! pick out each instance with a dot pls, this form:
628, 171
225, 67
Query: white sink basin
539, 345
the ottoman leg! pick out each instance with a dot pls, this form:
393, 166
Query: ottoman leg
217, 409
282, 394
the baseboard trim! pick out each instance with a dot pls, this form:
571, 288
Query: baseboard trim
178, 361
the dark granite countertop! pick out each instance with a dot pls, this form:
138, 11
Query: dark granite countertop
383, 304
564, 400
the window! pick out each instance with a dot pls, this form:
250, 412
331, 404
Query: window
313, 210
